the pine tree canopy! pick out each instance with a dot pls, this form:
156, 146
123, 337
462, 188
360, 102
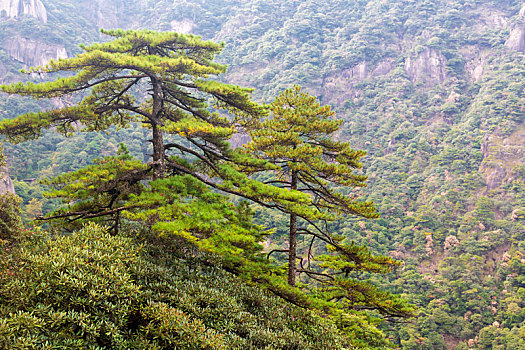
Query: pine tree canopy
162, 80
164, 83
159, 79
298, 139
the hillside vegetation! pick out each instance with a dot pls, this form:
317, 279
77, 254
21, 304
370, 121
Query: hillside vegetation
92, 290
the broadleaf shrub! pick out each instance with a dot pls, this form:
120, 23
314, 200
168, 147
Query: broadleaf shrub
91, 290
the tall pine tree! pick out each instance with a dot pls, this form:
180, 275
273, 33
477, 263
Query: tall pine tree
298, 139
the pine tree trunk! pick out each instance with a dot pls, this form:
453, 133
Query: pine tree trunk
159, 164
292, 250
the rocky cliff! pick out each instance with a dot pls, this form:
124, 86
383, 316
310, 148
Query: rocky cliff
33, 52
19, 8
516, 40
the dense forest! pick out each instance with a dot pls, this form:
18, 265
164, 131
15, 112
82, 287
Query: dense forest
432, 91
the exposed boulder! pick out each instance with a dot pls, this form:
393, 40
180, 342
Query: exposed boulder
19, 8
32, 52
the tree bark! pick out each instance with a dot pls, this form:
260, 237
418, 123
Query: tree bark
159, 163
292, 253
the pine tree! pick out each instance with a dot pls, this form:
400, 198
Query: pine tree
169, 70
298, 139
98, 192
162, 80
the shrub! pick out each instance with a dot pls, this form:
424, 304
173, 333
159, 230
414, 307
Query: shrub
91, 290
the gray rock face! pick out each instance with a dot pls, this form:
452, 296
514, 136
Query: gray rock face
383, 68
18, 8
33, 53
3, 71
103, 13
6, 185
501, 154
342, 83
476, 59
107, 14
516, 40
184, 26
427, 67
495, 175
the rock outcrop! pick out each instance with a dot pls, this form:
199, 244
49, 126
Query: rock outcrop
32, 52
501, 155
516, 40
342, 83
428, 67
183, 26
19, 8
105, 14
6, 185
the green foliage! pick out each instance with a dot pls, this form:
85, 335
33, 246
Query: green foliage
190, 148
94, 290
184, 208
298, 139
10, 217
176, 68
427, 142
99, 190
130, 58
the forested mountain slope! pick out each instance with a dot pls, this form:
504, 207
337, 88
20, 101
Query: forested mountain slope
433, 90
